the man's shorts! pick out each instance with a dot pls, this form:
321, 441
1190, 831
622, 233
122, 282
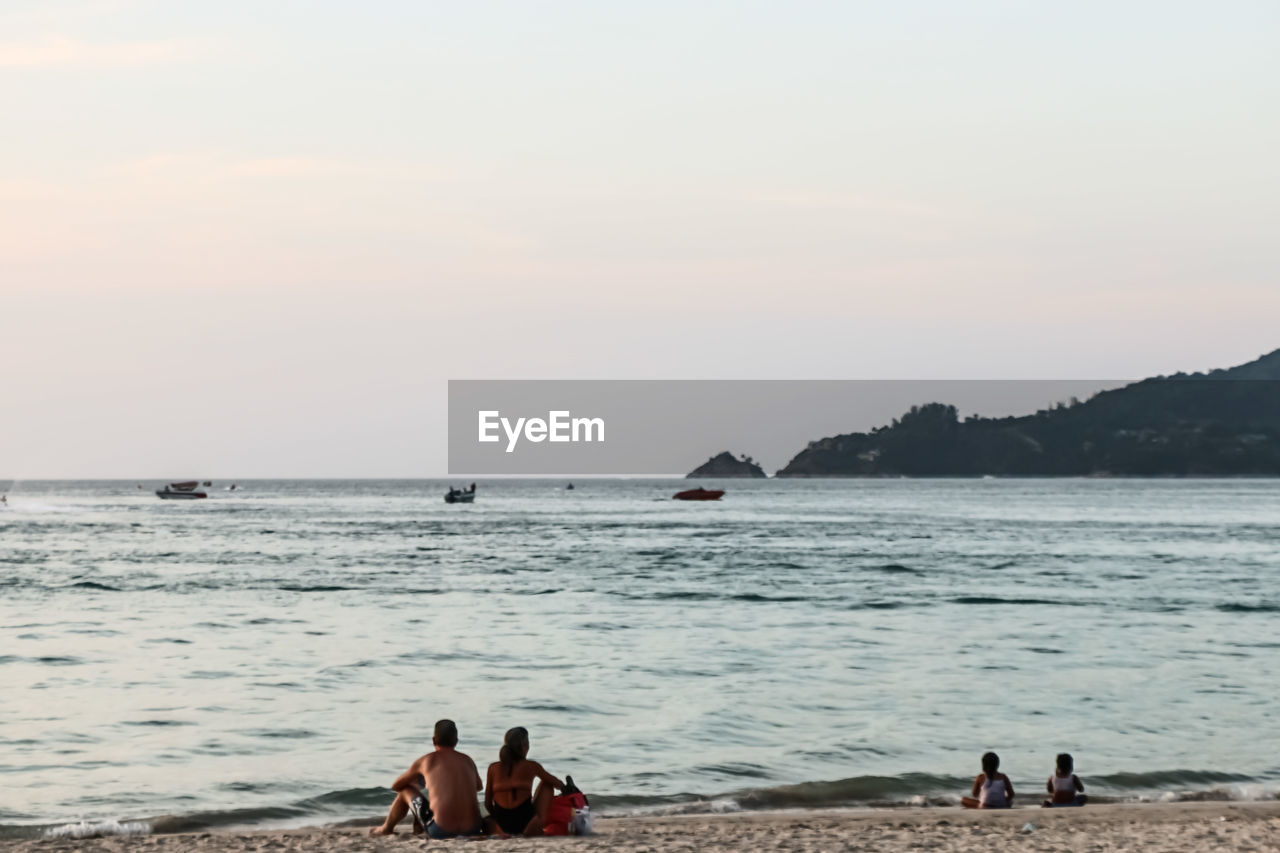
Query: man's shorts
421, 812
434, 831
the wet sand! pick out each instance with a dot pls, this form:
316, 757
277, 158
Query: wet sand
1186, 827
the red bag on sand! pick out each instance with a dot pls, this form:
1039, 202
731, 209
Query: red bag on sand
561, 813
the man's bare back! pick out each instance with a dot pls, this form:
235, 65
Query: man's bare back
452, 782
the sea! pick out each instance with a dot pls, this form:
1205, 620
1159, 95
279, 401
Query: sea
276, 655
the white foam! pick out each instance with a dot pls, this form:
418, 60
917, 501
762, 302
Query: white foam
1255, 792
723, 805
98, 829
1251, 792
35, 507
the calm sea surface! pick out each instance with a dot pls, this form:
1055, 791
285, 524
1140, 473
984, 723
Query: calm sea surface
279, 653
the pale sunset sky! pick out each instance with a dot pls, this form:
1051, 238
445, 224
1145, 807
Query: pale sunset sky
246, 239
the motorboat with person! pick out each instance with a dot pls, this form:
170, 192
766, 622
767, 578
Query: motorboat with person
699, 494
169, 494
184, 491
460, 496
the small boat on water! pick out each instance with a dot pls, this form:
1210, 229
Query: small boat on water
699, 494
460, 496
184, 491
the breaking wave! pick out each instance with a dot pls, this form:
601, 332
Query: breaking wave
355, 806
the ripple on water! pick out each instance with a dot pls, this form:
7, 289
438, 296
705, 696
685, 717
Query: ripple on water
44, 660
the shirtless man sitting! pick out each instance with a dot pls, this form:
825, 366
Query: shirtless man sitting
449, 792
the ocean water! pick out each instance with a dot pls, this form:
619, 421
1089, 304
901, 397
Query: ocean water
278, 654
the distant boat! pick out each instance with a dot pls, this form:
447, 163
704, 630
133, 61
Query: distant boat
699, 494
460, 496
180, 492
569, 487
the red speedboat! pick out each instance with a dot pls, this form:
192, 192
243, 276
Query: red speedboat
699, 494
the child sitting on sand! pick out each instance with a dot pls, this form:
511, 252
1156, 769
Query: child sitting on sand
1064, 785
992, 789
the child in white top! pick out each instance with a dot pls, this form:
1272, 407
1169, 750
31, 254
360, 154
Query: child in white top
992, 789
1064, 786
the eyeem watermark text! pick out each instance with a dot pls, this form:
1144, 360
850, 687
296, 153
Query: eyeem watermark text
559, 426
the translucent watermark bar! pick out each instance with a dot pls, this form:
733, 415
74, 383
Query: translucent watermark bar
669, 427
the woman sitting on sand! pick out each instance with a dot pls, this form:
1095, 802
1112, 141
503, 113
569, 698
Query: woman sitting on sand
508, 793
992, 789
1064, 785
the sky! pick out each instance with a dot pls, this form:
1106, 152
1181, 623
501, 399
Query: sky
245, 239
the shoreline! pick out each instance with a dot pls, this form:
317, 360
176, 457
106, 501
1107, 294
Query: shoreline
1184, 826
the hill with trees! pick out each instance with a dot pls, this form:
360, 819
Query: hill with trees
727, 465
1225, 422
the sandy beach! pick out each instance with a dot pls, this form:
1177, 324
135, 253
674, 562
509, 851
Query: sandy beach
1103, 828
